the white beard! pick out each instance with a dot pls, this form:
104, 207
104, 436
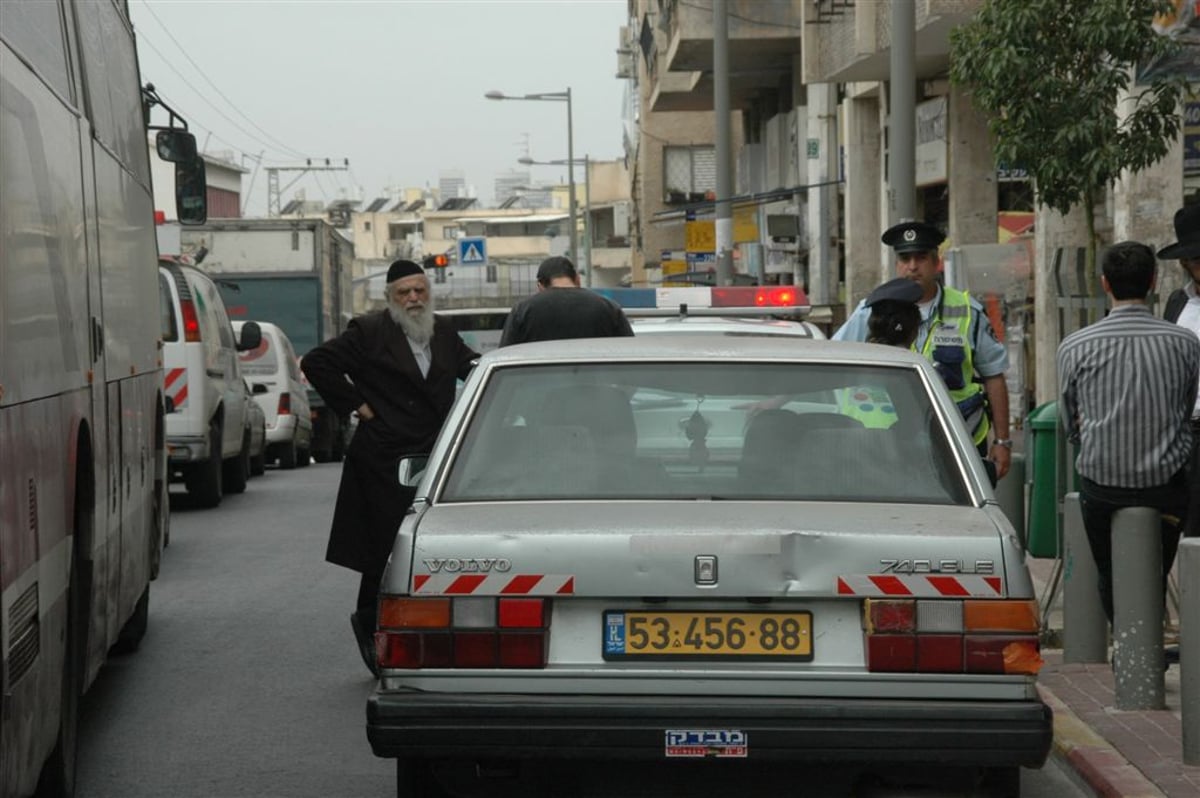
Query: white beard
416, 324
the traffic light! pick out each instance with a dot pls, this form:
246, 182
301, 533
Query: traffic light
436, 262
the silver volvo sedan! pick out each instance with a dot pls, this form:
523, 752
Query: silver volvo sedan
696, 547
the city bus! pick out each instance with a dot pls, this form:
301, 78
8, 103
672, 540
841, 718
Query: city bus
83, 493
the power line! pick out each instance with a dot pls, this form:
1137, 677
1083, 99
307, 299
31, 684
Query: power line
221, 94
200, 94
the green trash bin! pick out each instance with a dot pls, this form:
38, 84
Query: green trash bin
1042, 526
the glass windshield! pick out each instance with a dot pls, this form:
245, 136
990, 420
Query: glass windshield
706, 430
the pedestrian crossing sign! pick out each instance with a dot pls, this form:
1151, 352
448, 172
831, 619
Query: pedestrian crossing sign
472, 251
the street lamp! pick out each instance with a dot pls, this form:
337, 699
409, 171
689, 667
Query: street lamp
556, 96
587, 205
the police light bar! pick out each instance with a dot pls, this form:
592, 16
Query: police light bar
751, 300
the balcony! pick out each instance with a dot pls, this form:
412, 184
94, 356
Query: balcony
763, 40
847, 41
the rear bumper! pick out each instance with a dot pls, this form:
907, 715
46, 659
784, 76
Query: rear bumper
184, 449
982, 734
283, 430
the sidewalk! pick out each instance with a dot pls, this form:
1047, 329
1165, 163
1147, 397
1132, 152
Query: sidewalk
1131, 754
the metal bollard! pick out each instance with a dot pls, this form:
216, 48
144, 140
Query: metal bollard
1085, 627
1010, 494
1138, 609
1189, 647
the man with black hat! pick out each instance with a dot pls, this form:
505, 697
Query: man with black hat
398, 370
1183, 308
561, 309
955, 336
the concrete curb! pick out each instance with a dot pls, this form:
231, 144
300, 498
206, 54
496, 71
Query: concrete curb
1101, 766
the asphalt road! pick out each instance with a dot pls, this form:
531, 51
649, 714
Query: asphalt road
248, 683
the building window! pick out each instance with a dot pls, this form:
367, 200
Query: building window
366, 227
450, 231
439, 276
689, 173
491, 273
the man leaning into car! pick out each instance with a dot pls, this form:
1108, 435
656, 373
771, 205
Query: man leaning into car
397, 369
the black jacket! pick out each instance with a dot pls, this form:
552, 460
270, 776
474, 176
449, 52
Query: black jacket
1175, 303
372, 362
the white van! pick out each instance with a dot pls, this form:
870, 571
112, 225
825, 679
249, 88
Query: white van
208, 417
273, 364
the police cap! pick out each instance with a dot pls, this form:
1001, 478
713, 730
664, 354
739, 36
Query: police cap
913, 237
900, 289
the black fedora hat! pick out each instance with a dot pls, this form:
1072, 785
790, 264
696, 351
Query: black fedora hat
1187, 230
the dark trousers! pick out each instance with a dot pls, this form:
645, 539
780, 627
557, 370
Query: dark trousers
1100, 502
1191, 527
367, 605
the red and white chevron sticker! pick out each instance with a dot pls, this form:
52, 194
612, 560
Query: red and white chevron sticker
921, 585
493, 585
175, 385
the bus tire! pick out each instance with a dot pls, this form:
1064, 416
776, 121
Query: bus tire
134, 629
57, 779
204, 479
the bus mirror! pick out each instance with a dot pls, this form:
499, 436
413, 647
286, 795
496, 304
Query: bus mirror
176, 146
191, 187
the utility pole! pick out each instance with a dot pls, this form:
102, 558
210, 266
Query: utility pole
902, 122
273, 190
724, 207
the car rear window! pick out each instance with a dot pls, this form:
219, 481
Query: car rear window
727, 430
262, 359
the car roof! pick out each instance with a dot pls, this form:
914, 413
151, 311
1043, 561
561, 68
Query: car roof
728, 325
703, 346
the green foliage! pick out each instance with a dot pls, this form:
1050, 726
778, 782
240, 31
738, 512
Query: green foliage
1049, 73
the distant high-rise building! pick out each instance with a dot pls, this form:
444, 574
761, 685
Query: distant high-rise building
452, 183
509, 184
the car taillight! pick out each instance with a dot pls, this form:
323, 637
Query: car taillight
285, 404
951, 636
462, 632
191, 324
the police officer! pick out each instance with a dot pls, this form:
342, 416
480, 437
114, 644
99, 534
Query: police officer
955, 336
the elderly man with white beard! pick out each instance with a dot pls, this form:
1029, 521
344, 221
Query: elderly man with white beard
397, 369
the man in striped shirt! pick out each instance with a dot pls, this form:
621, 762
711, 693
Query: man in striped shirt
1128, 386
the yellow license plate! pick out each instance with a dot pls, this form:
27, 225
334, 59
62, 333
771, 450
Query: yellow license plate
697, 635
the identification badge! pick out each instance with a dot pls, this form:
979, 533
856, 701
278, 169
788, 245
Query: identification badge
945, 335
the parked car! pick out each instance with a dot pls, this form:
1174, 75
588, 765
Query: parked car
208, 426
273, 364
610, 557
258, 430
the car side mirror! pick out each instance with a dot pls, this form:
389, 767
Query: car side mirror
412, 468
258, 387
251, 336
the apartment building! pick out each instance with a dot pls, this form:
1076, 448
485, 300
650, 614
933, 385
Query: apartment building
809, 90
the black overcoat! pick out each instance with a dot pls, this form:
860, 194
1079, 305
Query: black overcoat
372, 362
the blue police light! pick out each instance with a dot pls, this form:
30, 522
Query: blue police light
630, 297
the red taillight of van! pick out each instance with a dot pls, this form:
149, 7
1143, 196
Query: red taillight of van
951, 636
285, 404
191, 323
462, 632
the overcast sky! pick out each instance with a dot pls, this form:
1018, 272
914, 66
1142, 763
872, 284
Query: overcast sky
395, 86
